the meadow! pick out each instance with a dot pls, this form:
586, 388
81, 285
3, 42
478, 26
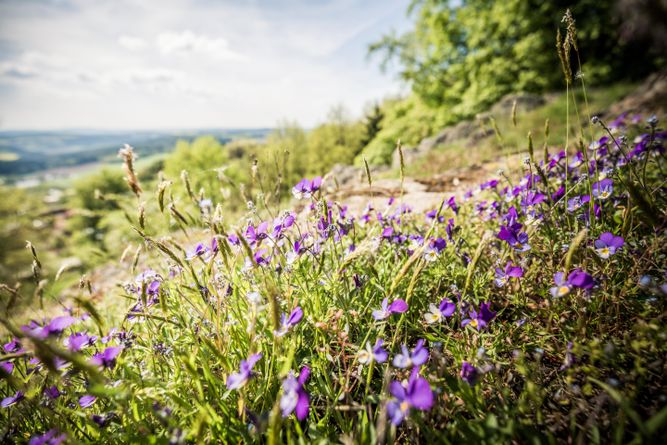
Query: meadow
530, 309
224, 295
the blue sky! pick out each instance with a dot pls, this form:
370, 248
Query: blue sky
123, 64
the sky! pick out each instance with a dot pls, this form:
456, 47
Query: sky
177, 64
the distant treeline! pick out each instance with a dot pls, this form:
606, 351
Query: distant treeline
39, 151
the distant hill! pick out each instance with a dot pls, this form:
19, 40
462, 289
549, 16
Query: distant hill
24, 152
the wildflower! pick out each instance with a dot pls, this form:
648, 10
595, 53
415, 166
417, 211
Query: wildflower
238, 379
577, 278
396, 307
516, 239
255, 236
577, 202
481, 319
407, 359
107, 358
52, 392
416, 394
294, 398
288, 322
436, 313
510, 271
78, 340
51, 437
376, 353
603, 189
197, 251
562, 287
86, 401
12, 400
12, 346
576, 160
7, 367
306, 188
607, 244
469, 374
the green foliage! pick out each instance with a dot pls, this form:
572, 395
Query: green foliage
409, 120
200, 158
463, 56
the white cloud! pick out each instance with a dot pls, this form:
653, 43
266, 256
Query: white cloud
189, 63
132, 43
188, 42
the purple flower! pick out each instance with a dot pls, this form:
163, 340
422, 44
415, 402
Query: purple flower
417, 394
396, 307
238, 379
510, 271
574, 204
451, 203
197, 251
12, 400
562, 287
107, 358
481, 319
577, 278
469, 373
511, 234
78, 340
376, 353
603, 189
305, 188
407, 359
608, 244
288, 322
255, 236
436, 313
52, 392
294, 398
87, 400
7, 367
51, 437
576, 160
13, 346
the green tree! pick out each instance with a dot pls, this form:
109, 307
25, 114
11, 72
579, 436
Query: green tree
465, 55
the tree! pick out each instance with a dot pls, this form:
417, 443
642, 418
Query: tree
465, 55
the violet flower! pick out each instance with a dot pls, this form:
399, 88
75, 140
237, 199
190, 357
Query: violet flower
286, 323
407, 359
437, 313
417, 394
376, 353
608, 244
294, 398
197, 251
238, 379
7, 367
481, 319
51, 437
509, 271
396, 307
12, 400
469, 374
603, 189
107, 358
516, 239
12, 346
577, 278
87, 400
306, 188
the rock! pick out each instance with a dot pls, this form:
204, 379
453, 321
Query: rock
650, 97
343, 175
524, 102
